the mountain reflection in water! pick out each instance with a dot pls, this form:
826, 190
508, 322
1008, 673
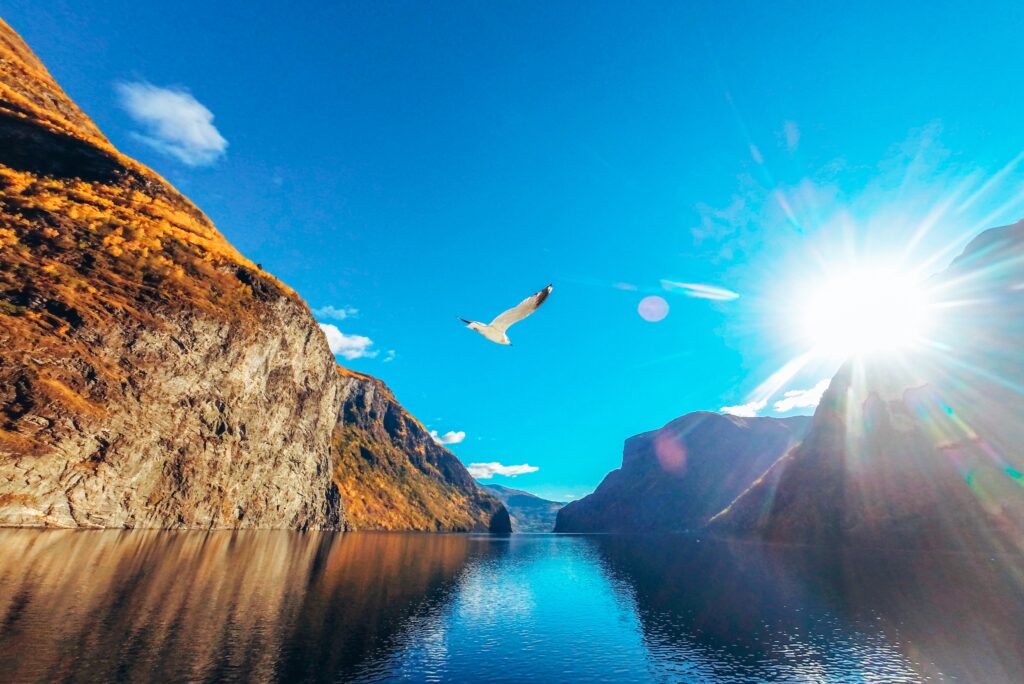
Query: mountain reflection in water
273, 606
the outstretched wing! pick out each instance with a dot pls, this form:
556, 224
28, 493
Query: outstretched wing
521, 310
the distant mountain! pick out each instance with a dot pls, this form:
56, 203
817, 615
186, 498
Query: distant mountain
678, 477
529, 512
152, 376
924, 450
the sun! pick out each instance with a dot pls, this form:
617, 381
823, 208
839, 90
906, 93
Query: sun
866, 311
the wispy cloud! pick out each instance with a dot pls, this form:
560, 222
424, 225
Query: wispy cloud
919, 203
791, 135
758, 399
335, 313
700, 291
389, 356
450, 437
349, 346
748, 410
485, 471
173, 122
759, 213
801, 398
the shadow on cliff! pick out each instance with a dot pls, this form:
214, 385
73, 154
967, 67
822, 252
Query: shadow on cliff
501, 522
26, 146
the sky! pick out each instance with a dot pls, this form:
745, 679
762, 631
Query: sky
405, 164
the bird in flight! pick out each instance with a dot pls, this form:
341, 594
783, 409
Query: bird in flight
495, 330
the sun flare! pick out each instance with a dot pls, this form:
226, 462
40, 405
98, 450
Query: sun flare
866, 311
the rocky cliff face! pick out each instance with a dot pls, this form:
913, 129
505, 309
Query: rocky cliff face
393, 476
678, 477
921, 450
150, 375
529, 512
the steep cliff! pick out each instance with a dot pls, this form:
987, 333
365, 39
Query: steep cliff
150, 375
393, 476
922, 449
529, 512
679, 476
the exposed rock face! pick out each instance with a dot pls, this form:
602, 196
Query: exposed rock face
678, 477
150, 375
393, 476
228, 430
922, 450
529, 512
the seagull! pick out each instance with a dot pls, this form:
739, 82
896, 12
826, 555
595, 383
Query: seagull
495, 330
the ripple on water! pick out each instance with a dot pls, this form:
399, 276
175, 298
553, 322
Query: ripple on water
276, 606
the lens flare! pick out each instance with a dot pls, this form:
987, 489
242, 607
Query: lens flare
652, 309
671, 453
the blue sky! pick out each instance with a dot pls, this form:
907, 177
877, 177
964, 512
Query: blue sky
418, 162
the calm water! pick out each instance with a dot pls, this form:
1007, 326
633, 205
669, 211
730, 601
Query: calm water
265, 606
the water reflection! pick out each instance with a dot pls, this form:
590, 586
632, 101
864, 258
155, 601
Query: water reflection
728, 611
220, 606
370, 591
281, 606
99, 606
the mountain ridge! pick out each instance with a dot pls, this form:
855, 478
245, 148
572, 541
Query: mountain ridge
529, 512
678, 476
150, 374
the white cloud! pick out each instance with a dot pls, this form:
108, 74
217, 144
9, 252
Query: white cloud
335, 313
803, 398
349, 346
748, 410
485, 471
173, 122
791, 399
449, 437
700, 291
389, 356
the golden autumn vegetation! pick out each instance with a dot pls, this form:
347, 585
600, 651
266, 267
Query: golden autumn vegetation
381, 492
150, 375
65, 188
392, 475
90, 237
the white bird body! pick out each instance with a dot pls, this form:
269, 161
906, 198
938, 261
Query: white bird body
495, 331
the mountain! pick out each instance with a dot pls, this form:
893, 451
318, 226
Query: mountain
152, 376
679, 476
529, 512
922, 450
393, 475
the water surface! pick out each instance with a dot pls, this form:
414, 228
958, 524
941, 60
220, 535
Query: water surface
274, 606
